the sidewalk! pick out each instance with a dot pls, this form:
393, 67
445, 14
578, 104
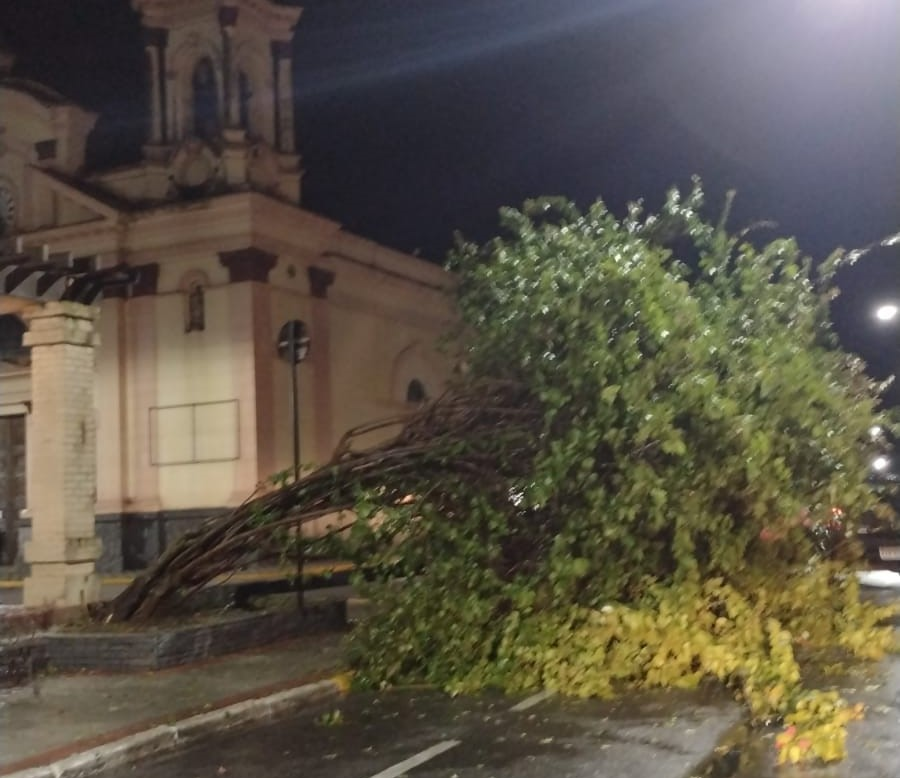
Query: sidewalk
63, 716
68, 714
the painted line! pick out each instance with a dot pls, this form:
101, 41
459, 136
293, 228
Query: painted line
530, 702
395, 771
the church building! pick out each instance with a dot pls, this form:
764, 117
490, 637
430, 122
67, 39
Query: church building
158, 320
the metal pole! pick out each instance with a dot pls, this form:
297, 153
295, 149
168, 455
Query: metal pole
295, 411
295, 400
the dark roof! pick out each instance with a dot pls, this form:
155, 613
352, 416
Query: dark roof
39, 92
92, 190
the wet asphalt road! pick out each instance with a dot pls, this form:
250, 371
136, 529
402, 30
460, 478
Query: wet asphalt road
433, 736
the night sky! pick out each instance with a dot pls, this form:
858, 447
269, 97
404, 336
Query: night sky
421, 117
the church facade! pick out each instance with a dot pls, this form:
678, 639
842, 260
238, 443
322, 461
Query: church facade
216, 264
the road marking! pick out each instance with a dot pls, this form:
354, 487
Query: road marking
530, 702
414, 761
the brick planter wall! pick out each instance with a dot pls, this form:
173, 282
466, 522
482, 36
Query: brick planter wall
20, 659
156, 648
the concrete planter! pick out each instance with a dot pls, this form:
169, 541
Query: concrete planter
155, 648
20, 659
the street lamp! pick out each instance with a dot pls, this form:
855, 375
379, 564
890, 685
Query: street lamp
880, 464
887, 312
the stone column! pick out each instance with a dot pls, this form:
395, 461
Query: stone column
154, 43
227, 21
63, 545
284, 96
253, 354
142, 388
174, 129
155, 96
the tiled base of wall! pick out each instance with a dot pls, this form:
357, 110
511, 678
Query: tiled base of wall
131, 541
156, 647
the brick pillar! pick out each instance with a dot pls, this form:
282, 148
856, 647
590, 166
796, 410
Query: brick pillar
61, 484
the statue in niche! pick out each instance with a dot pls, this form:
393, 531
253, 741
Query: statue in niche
196, 309
206, 101
415, 392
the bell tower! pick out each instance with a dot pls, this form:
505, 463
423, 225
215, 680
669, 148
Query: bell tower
221, 95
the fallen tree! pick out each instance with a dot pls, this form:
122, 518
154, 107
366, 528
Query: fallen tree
263, 526
614, 492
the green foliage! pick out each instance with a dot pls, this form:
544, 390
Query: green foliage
331, 718
281, 478
692, 403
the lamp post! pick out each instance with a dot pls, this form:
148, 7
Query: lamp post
293, 347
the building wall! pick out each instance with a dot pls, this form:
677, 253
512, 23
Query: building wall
15, 387
36, 121
195, 435
192, 419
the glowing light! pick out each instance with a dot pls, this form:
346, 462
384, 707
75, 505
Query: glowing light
880, 464
887, 312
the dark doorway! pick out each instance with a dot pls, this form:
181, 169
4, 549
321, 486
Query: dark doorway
12, 484
12, 329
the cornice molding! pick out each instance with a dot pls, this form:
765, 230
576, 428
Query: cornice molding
319, 281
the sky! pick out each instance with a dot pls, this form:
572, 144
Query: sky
417, 118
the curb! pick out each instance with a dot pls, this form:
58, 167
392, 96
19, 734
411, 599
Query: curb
166, 737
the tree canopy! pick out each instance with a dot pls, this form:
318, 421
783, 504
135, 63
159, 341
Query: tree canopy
688, 416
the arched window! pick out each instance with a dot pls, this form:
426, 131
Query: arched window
195, 321
205, 100
245, 95
415, 392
